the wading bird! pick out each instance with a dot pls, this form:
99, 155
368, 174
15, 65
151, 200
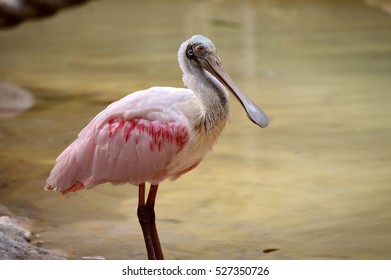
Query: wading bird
154, 134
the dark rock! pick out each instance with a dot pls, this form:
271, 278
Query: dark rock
13, 12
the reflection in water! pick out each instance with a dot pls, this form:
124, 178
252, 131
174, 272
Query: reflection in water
314, 184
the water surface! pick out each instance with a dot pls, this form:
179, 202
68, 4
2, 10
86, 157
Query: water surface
315, 184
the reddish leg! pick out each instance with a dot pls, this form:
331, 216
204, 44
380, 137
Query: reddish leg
152, 225
143, 218
146, 217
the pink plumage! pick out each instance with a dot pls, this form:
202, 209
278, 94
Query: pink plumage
131, 143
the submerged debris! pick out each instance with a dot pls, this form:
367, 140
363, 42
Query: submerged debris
267, 251
14, 100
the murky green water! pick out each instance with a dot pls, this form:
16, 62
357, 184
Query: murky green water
315, 184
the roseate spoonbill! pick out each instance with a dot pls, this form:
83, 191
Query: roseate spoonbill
154, 134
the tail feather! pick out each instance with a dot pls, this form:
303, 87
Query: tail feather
70, 170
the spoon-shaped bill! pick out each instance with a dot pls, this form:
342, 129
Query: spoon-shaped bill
213, 65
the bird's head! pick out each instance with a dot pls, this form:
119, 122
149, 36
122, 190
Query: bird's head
202, 53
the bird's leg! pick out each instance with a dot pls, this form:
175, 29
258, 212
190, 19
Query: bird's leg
152, 225
144, 219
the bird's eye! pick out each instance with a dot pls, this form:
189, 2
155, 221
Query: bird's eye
200, 49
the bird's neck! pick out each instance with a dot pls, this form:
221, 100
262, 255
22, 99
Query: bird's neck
213, 96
